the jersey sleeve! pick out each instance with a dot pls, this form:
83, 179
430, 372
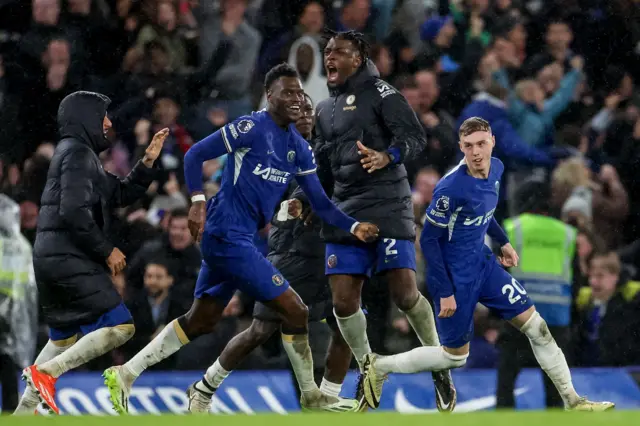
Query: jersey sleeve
238, 134
441, 208
306, 159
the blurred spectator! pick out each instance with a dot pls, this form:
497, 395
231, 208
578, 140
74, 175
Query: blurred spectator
227, 28
600, 203
154, 306
176, 245
607, 334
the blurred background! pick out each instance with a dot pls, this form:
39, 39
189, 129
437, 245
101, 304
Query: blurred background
555, 78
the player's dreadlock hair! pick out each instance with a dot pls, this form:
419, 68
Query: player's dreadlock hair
358, 40
281, 70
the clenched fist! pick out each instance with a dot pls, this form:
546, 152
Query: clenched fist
366, 232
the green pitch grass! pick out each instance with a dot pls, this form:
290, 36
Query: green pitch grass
522, 418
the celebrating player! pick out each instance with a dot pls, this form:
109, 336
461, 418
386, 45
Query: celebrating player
463, 271
297, 251
366, 130
267, 153
72, 254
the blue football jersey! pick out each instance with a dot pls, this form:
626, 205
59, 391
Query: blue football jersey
464, 205
263, 158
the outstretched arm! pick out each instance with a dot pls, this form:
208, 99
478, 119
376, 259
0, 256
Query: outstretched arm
322, 205
213, 146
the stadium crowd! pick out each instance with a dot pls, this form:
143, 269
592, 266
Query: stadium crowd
555, 79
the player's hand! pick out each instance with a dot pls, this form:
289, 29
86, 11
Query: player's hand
294, 208
447, 307
307, 216
155, 147
372, 160
509, 256
116, 261
197, 214
366, 232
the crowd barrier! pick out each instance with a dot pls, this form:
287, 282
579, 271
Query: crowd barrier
272, 391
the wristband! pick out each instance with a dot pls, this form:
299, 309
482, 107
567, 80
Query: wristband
353, 227
198, 197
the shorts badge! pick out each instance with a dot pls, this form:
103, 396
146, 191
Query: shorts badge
291, 156
332, 261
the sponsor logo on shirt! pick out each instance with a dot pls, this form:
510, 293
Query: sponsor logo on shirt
271, 174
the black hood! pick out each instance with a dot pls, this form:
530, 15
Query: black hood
366, 72
80, 116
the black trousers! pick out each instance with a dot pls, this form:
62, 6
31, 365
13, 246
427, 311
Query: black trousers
516, 354
9, 383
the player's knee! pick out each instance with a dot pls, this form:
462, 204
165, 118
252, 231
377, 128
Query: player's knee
120, 334
260, 331
455, 361
299, 317
345, 307
537, 330
194, 326
404, 298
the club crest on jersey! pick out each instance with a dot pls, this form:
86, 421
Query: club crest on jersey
498, 187
332, 261
244, 126
277, 280
291, 156
351, 99
442, 204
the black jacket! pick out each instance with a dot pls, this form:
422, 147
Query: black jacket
72, 241
368, 109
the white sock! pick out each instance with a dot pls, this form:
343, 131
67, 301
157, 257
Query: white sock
89, 347
354, 331
299, 352
29, 400
330, 388
550, 357
423, 322
425, 358
166, 343
214, 377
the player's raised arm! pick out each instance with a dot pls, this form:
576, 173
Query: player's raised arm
126, 191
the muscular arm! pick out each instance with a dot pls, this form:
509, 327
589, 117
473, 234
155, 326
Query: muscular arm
76, 189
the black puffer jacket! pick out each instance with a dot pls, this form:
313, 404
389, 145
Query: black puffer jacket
370, 110
72, 241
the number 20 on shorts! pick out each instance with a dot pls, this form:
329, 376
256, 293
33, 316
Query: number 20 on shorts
512, 290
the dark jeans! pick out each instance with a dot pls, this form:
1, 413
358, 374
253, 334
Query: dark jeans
9, 383
516, 354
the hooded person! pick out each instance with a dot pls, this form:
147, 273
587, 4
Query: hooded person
305, 56
73, 256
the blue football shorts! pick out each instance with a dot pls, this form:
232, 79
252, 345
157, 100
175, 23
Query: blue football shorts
368, 259
496, 289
